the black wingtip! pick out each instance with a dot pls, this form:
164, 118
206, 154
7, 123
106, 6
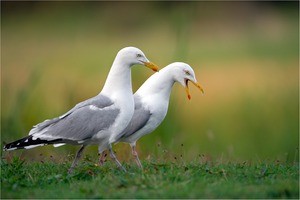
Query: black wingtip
14, 145
28, 143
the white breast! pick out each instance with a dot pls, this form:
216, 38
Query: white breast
126, 112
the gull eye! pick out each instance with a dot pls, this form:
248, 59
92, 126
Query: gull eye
187, 72
138, 55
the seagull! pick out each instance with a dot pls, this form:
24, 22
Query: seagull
98, 120
151, 103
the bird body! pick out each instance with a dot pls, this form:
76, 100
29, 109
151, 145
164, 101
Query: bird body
98, 120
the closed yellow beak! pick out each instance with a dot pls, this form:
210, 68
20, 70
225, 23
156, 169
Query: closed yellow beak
152, 66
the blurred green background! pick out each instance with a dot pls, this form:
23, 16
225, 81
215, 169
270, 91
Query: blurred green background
245, 55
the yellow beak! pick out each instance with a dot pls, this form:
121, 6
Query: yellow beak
152, 66
187, 88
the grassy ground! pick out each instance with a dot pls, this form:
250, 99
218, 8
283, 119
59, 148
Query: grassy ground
177, 179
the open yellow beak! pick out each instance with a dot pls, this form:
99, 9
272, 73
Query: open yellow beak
187, 88
152, 66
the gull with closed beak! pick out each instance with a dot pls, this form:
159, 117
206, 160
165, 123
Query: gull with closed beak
99, 120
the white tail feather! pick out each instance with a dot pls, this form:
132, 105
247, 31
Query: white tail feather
58, 145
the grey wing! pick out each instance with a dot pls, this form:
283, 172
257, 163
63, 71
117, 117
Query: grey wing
100, 101
39, 127
140, 118
80, 123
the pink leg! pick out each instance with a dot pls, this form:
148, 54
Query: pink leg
77, 157
112, 155
137, 160
102, 159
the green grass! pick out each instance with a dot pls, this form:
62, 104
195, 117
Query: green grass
179, 179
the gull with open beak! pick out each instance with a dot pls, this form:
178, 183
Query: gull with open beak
151, 103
